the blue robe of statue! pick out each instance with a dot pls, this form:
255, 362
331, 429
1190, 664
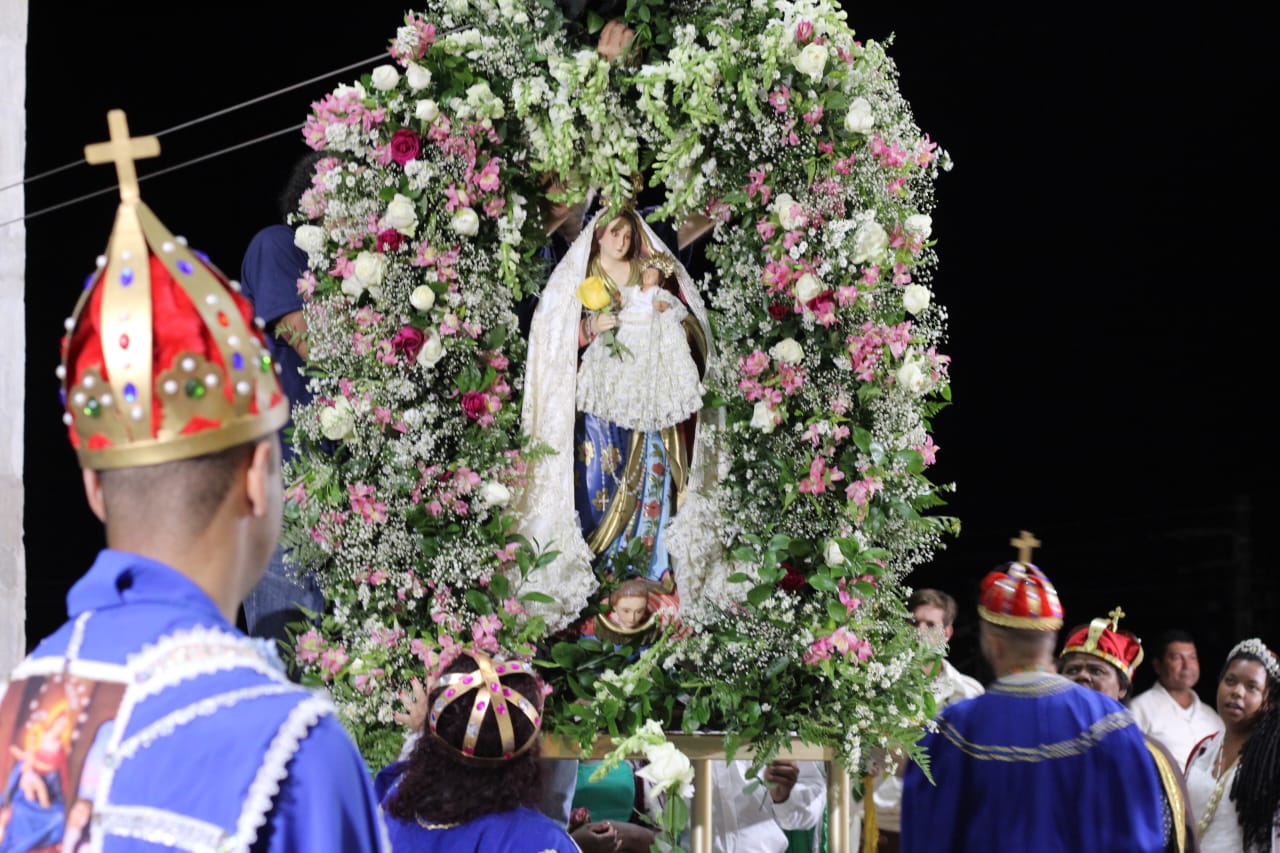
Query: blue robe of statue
1036, 763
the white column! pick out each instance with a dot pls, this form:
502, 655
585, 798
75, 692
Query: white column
13, 121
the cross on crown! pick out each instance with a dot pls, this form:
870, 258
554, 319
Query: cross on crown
1025, 543
123, 150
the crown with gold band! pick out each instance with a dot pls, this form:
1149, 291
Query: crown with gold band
1254, 646
162, 359
1019, 595
663, 262
492, 703
1103, 638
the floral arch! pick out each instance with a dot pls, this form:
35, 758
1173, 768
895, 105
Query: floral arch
425, 234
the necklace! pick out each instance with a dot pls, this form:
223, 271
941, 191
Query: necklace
422, 823
1211, 807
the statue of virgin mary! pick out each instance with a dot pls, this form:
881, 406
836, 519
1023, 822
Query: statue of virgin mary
607, 485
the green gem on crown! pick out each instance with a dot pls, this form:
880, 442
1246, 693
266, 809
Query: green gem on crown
265, 362
93, 408
194, 389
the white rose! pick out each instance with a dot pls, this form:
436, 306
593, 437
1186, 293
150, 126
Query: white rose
482, 100
309, 238
787, 351
418, 77
352, 286
668, 769
432, 351
369, 268
764, 418
812, 60
422, 298
385, 78
465, 222
495, 494
790, 214
859, 118
402, 214
338, 421
869, 241
832, 554
807, 287
912, 378
919, 224
426, 110
915, 298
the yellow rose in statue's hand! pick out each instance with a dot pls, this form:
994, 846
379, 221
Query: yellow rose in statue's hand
594, 295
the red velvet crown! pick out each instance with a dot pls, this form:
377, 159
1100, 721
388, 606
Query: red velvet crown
1103, 638
162, 359
1018, 595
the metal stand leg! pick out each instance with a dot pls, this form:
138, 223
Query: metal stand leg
838, 805
701, 818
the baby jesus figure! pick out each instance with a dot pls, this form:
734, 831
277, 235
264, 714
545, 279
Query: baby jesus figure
657, 385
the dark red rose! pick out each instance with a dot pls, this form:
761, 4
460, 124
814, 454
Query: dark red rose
407, 342
793, 580
405, 144
779, 311
474, 405
824, 300
658, 468
389, 240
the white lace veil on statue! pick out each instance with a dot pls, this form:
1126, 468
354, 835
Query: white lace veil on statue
545, 509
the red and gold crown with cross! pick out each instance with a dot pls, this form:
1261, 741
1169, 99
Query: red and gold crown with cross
1019, 595
161, 359
1103, 638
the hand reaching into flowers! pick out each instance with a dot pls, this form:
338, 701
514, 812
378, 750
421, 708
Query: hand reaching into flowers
415, 704
614, 39
781, 777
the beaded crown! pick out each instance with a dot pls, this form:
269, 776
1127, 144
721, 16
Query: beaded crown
162, 359
1103, 638
1254, 646
492, 705
1019, 595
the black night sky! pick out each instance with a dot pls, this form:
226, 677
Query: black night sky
1105, 254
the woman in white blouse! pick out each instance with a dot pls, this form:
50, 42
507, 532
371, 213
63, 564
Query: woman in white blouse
1233, 778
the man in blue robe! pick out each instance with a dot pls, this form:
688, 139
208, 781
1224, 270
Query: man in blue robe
1036, 762
170, 727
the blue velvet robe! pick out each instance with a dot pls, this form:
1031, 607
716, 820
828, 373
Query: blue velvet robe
206, 739
1036, 763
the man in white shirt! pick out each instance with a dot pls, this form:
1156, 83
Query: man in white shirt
792, 795
1170, 711
934, 614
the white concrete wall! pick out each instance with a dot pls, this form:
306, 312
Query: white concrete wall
13, 131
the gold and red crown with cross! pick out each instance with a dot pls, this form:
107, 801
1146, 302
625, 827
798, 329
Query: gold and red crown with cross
162, 359
1103, 638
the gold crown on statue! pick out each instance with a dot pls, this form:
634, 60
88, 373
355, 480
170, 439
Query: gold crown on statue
162, 359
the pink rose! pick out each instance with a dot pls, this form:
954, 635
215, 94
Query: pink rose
408, 342
474, 405
404, 145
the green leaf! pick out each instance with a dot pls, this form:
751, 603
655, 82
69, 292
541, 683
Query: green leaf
759, 595
478, 601
822, 582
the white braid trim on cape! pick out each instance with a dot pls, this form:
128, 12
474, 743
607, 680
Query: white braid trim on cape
546, 507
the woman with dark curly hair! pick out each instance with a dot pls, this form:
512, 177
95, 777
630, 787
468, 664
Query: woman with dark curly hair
1234, 778
473, 781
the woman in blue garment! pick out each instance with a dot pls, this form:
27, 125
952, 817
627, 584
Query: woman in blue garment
473, 780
